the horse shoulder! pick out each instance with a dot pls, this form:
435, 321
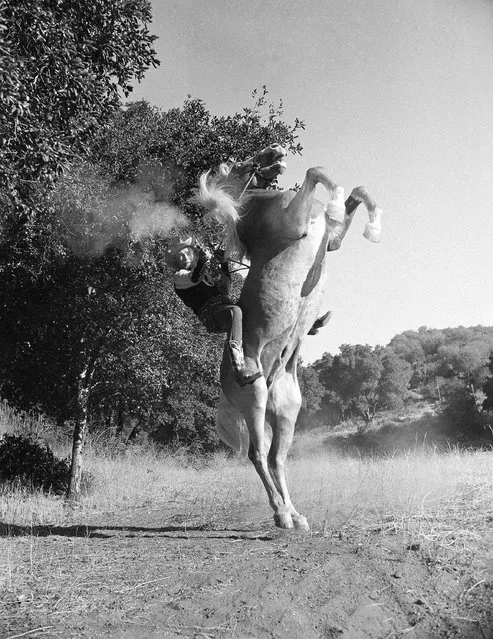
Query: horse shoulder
265, 216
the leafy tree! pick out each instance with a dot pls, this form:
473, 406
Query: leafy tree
430, 339
409, 347
62, 65
312, 391
462, 407
170, 149
441, 354
393, 384
351, 380
457, 360
90, 324
488, 386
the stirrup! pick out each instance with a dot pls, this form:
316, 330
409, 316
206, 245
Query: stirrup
244, 379
243, 374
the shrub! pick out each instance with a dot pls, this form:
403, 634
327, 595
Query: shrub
33, 464
462, 409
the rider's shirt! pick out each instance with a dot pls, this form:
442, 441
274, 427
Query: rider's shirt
195, 294
198, 288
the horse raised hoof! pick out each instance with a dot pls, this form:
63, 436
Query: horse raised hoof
373, 229
284, 521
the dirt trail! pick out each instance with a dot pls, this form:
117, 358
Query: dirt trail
136, 577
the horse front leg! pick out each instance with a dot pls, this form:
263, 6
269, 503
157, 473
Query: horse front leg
298, 212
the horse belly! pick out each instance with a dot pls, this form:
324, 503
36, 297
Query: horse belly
281, 296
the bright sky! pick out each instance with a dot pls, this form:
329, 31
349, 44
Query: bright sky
397, 95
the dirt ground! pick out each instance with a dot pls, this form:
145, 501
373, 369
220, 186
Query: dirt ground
146, 574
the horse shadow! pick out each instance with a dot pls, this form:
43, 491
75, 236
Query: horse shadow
108, 532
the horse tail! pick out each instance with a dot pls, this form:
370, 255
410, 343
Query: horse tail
222, 207
231, 426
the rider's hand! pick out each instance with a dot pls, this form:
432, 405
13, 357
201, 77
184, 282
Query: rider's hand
219, 254
202, 262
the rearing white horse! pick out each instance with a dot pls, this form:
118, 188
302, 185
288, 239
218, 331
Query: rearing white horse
286, 235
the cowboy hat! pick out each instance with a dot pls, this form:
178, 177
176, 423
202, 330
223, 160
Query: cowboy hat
177, 244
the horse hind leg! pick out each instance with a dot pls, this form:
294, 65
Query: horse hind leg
285, 403
251, 401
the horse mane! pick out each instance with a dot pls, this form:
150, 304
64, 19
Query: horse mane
221, 206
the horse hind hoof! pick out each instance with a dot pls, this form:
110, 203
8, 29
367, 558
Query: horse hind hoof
284, 521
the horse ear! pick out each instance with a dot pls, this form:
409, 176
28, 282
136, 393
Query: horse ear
224, 169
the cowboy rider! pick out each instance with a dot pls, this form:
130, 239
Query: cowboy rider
209, 298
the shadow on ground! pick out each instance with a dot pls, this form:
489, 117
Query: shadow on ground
106, 532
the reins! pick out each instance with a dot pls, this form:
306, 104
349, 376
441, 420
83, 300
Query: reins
253, 172
243, 266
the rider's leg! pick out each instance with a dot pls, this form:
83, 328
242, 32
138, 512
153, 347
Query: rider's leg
230, 319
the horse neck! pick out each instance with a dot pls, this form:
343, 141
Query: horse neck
255, 207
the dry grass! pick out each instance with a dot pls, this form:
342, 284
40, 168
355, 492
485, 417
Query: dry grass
439, 503
22, 423
424, 493
442, 499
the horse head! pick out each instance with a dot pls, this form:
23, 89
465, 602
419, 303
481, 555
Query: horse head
257, 171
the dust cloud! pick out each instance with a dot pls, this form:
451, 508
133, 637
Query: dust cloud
95, 215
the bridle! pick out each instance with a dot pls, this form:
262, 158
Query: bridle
254, 171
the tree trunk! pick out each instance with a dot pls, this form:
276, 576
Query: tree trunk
135, 430
120, 419
438, 390
83, 391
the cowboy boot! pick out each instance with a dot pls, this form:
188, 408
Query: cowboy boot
245, 373
319, 323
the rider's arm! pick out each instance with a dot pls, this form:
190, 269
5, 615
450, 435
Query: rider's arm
225, 283
185, 278
201, 265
